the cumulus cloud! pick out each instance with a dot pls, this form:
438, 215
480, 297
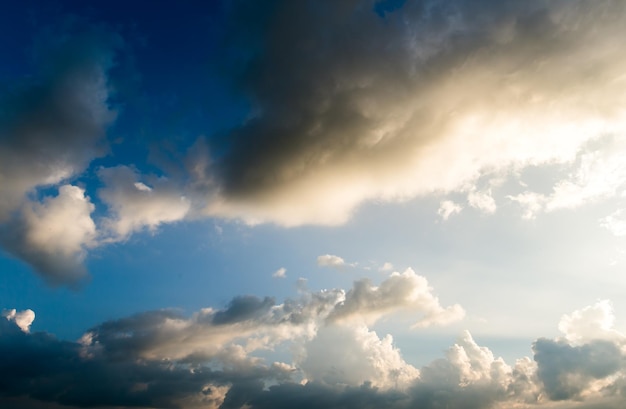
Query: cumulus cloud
52, 125
358, 355
406, 291
23, 319
330, 260
53, 235
427, 97
131, 362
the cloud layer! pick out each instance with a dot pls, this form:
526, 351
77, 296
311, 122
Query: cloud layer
160, 359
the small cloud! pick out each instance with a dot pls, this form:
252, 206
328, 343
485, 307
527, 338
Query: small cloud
387, 267
447, 208
482, 201
280, 273
22, 319
615, 223
143, 187
330, 260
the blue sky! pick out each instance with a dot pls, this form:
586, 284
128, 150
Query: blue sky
318, 204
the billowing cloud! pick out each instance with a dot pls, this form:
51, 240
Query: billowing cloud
52, 125
23, 319
401, 291
53, 235
433, 96
124, 363
358, 355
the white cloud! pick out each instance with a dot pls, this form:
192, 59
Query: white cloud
386, 267
53, 235
482, 201
330, 260
23, 319
447, 208
615, 223
594, 322
405, 291
280, 273
135, 206
358, 355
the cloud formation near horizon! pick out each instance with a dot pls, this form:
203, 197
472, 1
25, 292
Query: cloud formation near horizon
160, 359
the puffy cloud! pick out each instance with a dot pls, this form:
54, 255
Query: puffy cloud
132, 362
330, 260
53, 235
135, 205
425, 98
594, 322
23, 319
401, 291
52, 125
358, 355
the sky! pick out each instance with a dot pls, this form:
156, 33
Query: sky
317, 204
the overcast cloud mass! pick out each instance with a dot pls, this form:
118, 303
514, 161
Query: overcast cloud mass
313, 204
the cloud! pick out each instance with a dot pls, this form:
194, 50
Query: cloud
425, 98
330, 260
280, 273
133, 205
52, 125
153, 360
598, 173
22, 319
358, 355
447, 208
482, 201
405, 291
53, 235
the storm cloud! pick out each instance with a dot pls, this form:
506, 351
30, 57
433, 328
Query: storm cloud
351, 104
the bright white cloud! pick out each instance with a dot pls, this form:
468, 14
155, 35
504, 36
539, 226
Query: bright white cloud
594, 322
405, 291
23, 319
358, 355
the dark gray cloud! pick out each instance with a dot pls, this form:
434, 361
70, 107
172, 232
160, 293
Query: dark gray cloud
351, 105
567, 371
243, 308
